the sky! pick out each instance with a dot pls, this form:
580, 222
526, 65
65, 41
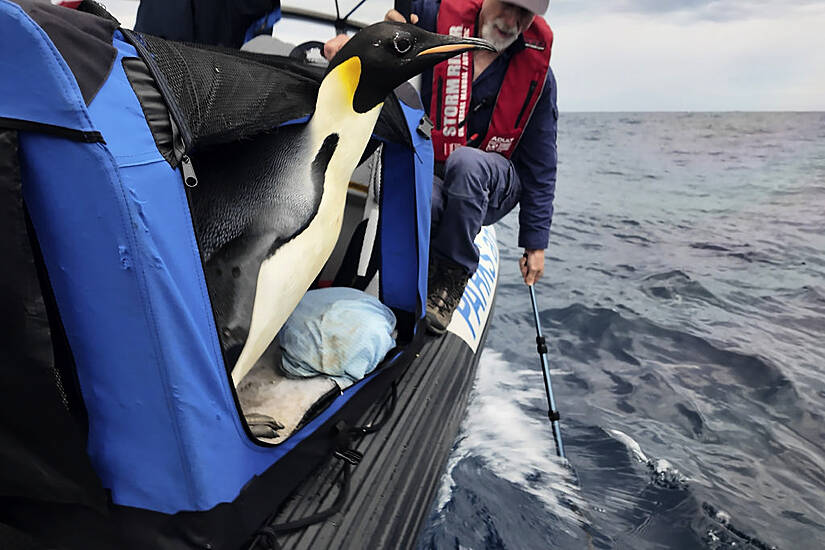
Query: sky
666, 55
683, 55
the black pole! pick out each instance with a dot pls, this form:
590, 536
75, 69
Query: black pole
541, 347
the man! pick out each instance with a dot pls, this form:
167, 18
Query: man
494, 138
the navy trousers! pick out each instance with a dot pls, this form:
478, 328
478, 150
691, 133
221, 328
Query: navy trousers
478, 189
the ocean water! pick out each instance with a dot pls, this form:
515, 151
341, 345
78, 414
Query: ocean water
684, 304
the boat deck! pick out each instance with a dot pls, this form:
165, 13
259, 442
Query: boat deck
391, 490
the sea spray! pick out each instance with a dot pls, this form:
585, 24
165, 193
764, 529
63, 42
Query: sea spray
512, 443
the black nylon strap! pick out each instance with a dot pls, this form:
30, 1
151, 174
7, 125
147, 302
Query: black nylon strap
349, 457
51, 129
269, 533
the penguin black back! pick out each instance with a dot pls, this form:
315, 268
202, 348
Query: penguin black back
244, 208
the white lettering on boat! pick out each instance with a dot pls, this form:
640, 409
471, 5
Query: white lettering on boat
474, 308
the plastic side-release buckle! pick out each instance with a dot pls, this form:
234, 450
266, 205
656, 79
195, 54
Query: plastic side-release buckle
349, 455
343, 438
425, 127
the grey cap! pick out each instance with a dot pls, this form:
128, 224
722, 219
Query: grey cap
539, 7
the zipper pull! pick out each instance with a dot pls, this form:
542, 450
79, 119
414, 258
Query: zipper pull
189, 177
475, 109
481, 104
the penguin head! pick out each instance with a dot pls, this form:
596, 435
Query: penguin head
382, 56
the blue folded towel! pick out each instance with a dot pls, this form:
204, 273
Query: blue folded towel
338, 332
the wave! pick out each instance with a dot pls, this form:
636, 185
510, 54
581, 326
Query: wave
753, 256
709, 246
750, 256
678, 285
663, 473
634, 239
627, 339
507, 443
809, 295
497, 422
714, 528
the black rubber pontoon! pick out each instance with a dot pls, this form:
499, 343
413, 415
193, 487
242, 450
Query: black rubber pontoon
391, 491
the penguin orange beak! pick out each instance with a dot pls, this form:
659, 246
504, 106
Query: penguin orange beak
460, 45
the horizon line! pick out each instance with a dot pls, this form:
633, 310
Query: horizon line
763, 111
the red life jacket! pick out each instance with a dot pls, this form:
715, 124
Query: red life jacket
452, 83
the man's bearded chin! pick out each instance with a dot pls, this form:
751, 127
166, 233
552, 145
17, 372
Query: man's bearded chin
488, 32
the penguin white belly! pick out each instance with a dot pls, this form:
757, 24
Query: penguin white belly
283, 280
285, 276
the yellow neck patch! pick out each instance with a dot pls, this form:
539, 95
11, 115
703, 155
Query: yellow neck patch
348, 74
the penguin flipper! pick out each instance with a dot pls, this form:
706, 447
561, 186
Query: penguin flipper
287, 272
252, 199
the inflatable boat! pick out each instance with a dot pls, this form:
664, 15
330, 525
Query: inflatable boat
121, 424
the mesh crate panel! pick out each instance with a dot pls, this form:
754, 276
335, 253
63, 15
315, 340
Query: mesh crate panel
227, 95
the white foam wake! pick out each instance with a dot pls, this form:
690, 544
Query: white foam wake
515, 446
664, 472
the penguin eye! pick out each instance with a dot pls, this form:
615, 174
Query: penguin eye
401, 43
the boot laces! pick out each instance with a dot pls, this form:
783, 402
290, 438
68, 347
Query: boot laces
448, 293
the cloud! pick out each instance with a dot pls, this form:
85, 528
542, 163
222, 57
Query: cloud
629, 62
685, 10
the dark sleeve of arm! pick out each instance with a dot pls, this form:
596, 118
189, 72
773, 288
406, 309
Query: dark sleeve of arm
535, 162
427, 12
170, 19
216, 22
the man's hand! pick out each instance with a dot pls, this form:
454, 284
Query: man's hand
332, 45
396, 16
532, 266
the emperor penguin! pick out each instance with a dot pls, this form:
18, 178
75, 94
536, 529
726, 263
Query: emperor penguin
269, 210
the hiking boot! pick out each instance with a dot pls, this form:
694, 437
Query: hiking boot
446, 283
